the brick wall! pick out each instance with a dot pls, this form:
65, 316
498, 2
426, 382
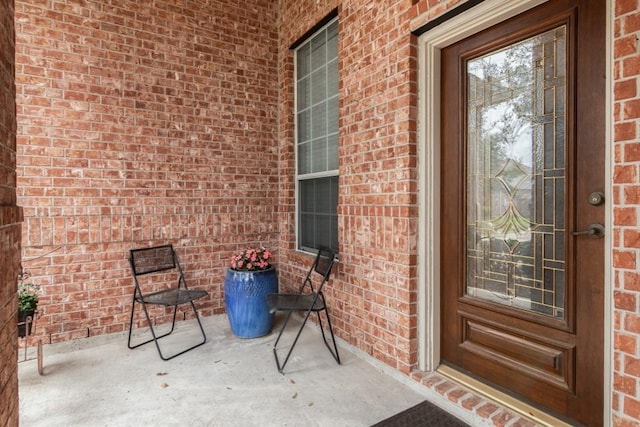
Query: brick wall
378, 206
373, 295
10, 217
626, 233
141, 123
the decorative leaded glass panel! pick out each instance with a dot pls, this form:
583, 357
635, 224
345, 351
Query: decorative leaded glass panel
516, 176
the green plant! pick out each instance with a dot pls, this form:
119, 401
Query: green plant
27, 296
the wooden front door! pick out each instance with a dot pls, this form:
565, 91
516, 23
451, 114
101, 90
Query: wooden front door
522, 248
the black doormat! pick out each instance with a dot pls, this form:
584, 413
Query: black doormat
423, 414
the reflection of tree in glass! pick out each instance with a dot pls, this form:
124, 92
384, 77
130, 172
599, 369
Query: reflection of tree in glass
508, 78
507, 133
508, 86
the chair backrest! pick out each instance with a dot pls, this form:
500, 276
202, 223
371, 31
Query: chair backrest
152, 260
156, 259
322, 265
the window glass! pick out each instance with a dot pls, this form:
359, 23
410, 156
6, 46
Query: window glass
303, 60
317, 139
319, 120
332, 152
318, 221
304, 127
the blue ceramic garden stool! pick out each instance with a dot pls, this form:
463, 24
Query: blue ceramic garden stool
245, 295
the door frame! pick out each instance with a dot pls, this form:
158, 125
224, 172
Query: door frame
430, 44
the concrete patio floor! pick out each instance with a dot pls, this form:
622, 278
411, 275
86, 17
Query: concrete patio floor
226, 382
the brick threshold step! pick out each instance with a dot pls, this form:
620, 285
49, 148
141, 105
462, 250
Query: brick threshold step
490, 405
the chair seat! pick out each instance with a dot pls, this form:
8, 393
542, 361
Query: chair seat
293, 302
171, 297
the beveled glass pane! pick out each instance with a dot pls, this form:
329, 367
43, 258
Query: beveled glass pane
515, 175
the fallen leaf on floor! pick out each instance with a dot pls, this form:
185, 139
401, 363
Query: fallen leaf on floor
161, 374
164, 385
294, 395
310, 403
218, 361
229, 388
292, 381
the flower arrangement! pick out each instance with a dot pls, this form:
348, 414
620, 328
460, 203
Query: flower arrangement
253, 259
27, 296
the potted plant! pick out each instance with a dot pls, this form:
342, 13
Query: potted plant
27, 306
249, 278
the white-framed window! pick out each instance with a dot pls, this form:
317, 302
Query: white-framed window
316, 75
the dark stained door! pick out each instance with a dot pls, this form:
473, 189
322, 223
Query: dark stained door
522, 248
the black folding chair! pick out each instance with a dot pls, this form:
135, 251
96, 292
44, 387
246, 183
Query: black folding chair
308, 299
156, 260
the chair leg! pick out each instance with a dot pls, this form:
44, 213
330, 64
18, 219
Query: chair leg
304, 322
153, 333
204, 336
334, 350
275, 345
155, 338
133, 307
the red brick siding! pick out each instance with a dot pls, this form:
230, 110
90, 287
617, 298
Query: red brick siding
426, 10
373, 295
626, 350
378, 159
9, 223
141, 123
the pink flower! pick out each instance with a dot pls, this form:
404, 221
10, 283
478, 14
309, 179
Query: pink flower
251, 259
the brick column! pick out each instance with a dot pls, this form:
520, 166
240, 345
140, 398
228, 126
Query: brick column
626, 234
10, 218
